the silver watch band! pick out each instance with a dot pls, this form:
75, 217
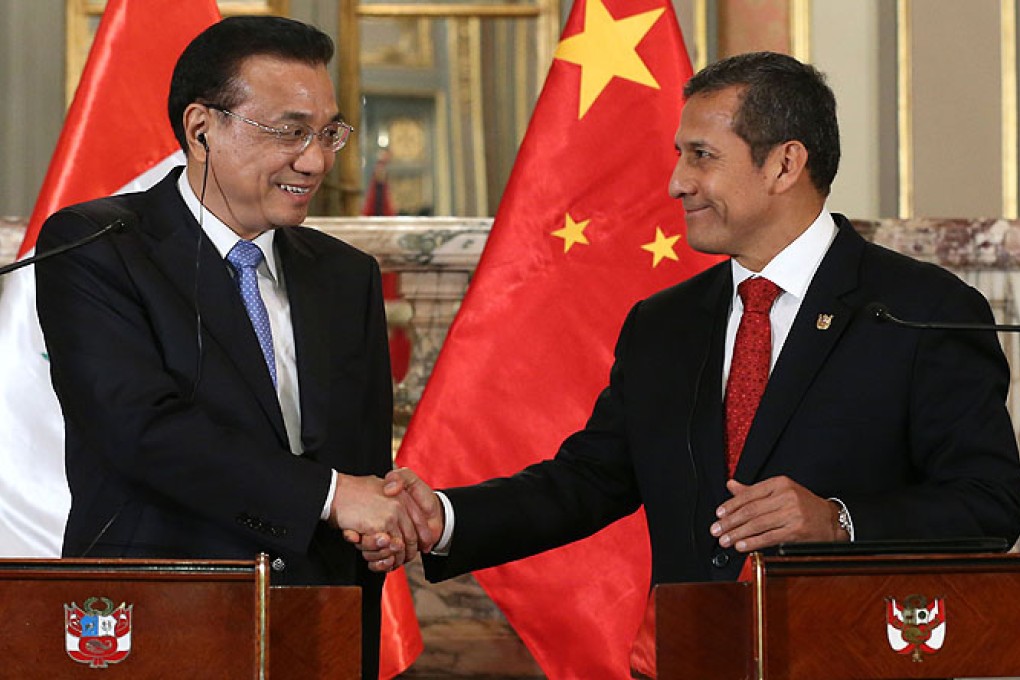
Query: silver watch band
846, 523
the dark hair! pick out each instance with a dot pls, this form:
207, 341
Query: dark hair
782, 100
207, 69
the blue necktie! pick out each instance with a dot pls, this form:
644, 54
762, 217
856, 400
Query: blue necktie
245, 257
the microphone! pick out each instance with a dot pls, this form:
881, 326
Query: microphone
881, 314
116, 225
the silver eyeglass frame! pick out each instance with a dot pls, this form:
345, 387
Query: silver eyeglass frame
283, 133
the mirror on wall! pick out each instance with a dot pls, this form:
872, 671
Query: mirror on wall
444, 105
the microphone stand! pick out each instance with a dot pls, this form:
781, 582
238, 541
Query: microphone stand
881, 313
18, 264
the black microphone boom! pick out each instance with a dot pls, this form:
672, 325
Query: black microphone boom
18, 264
881, 313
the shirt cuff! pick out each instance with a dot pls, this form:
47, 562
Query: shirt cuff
442, 546
324, 515
849, 519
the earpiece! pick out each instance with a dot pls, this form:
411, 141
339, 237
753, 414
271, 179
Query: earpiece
201, 140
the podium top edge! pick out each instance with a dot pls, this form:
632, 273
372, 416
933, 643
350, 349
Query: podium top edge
148, 566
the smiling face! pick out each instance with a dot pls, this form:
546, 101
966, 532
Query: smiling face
255, 183
728, 200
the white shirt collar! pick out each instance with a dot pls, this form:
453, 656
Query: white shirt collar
795, 265
222, 236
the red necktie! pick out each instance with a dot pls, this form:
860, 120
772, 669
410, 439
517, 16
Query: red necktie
749, 370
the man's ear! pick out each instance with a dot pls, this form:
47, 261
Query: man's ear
197, 119
787, 163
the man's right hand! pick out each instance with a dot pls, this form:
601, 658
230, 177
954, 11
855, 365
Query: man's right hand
421, 505
392, 524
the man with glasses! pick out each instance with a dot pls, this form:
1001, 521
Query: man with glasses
223, 373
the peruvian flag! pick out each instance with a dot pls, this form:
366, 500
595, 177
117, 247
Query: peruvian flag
586, 228
116, 138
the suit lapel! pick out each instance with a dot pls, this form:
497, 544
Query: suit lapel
311, 304
172, 233
823, 317
706, 422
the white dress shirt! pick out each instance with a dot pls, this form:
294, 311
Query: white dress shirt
792, 270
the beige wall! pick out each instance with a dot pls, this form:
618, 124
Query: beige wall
956, 108
853, 67
32, 105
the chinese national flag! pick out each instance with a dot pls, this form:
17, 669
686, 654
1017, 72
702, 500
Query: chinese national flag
586, 228
116, 138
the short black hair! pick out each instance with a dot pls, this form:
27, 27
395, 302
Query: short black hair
207, 70
782, 100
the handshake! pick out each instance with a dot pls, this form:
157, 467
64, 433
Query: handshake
389, 520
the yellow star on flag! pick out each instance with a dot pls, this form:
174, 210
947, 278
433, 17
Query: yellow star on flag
662, 247
572, 233
606, 48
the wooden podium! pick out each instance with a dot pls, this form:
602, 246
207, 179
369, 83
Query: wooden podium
845, 618
163, 618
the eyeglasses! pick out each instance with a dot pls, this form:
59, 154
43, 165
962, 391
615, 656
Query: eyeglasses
295, 137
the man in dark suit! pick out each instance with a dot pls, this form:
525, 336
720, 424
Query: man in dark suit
217, 406
865, 430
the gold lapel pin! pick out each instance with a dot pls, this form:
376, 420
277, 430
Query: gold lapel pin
824, 321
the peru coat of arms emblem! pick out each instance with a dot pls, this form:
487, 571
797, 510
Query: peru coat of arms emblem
97, 633
916, 626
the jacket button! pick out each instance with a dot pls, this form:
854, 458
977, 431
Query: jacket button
720, 560
278, 564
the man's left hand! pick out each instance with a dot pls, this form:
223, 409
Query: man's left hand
776, 510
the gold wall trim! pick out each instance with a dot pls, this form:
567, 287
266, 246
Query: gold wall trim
457, 121
1007, 10
78, 39
904, 110
481, 206
800, 29
256, 7
443, 189
348, 64
700, 34
522, 46
398, 10
548, 36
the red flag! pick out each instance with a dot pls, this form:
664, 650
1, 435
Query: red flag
400, 638
116, 138
586, 228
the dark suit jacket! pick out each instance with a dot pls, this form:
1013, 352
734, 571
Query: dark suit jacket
175, 442
908, 427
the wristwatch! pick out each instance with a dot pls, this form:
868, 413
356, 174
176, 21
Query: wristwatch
843, 520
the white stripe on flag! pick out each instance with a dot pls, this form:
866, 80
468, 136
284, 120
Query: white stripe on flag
153, 174
33, 491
